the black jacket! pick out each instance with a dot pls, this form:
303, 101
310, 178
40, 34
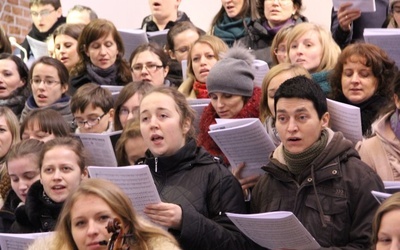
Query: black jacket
205, 190
259, 40
39, 214
149, 25
7, 212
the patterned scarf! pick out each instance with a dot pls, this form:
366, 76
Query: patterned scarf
200, 89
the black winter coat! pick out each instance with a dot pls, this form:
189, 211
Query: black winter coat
39, 214
205, 190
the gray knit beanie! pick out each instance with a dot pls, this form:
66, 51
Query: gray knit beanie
232, 74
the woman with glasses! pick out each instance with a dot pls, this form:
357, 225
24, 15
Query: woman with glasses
101, 51
278, 47
204, 53
275, 14
14, 83
46, 16
150, 63
126, 105
49, 83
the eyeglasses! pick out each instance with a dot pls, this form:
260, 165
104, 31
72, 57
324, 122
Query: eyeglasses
279, 1
149, 67
91, 122
42, 13
47, 82
126, 112
183, 49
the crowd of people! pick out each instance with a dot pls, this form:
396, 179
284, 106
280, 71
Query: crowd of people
324, 179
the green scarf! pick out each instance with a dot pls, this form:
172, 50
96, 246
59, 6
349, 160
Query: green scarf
297, 163
230, 30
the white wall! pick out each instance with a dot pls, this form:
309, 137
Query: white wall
129, 13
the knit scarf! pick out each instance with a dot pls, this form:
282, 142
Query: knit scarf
395, 124
200, 89
230, 30
296, 163
102, 76
16, 100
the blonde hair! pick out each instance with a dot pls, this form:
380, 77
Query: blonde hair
390, 204
279, 38
296, 70
330, 50
120, 204
13, 126
217, 45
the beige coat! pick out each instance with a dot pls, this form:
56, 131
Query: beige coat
382, 152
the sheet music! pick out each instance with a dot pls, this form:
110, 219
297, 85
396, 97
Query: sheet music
243, 140
260, 69
136, 181
386, 39
346, 119
100, 147
380, 196
362, 5
19, 241
38, 48
184, 69
275, 230
198, 105
132, 38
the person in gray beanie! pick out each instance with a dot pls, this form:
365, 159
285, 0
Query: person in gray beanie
230, 85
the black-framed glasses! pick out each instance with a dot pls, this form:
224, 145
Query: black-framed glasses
91, 122
42, 13
47, 82
151, 67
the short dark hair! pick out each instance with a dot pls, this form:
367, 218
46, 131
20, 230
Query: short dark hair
82, 8
304, 88
55, 3
91, 94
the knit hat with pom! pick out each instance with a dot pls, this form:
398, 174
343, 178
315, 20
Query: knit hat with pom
232, 74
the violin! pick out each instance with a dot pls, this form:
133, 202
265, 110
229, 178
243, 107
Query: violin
117, 240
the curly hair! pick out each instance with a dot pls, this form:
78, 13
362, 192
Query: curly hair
383, 68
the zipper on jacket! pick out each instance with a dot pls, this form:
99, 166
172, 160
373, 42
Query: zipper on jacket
156, 162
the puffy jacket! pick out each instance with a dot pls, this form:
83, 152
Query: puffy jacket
332, 197
39, 214
205, 190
